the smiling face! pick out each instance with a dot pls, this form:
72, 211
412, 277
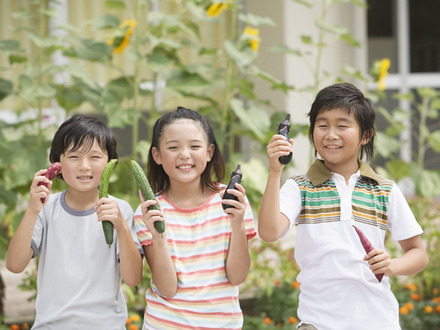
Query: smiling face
337, 139
82, 168
183, 152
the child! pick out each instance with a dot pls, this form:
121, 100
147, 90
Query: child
202, 257
338, 287
79, 276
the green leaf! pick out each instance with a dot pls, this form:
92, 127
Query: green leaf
91, 50
255, 20
9, 45
115, 4
91, 92
241, 58
160, 59
119, 117
253, 118
284, 49
45, 91
17, 59
6, 88
69, 97
106, 22
398, 169
116, 90
434, 140
385, 146
185, 82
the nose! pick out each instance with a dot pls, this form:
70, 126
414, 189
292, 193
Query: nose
84, 164
332, 134
184, 153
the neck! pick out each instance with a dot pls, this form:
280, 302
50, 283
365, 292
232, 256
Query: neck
81, 201
187, 195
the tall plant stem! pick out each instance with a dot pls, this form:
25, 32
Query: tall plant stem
136, 83
423, 111
227, 94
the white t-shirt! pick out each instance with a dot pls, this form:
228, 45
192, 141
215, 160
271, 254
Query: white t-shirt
79, 278
338, 290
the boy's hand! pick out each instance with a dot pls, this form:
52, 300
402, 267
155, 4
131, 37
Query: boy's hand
108, 209
379, 261
277, 147
39, 192
235, 213
149, 217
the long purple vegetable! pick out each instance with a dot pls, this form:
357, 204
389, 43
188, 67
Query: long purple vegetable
367, 247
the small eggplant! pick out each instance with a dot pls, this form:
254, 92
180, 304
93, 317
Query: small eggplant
235, 178
283, 129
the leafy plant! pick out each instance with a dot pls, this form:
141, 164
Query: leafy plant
424, 114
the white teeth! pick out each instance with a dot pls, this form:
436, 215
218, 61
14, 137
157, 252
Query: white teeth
185, 167
84, 177
333, 147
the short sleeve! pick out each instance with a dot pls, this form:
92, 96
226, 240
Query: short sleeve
143, 234
401, 221
37, 235
290, 202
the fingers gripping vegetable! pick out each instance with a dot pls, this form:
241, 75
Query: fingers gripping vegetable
367, 247
283, 129
235, 178
51, 173
147, 192
107, 226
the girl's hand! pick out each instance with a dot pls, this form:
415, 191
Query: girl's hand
108, 209
379, 261
149, 217
37, 192
277, 147
235, 213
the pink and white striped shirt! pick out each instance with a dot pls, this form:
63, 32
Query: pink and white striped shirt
198, 241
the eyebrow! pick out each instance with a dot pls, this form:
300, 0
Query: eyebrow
344, 119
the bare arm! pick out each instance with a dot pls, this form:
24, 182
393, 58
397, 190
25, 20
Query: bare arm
414, 259
271, 222
129, 256
20, 250
158, 257
238, 260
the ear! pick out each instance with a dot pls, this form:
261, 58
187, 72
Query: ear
367, 137
210, 153
156, 155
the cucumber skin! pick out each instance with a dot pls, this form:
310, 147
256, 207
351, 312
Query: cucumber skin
147, 192
107, 226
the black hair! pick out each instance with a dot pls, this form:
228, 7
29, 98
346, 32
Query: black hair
347, 97
156, 175
78, 133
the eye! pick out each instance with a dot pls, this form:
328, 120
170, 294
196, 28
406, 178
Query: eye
172, 148
196, 146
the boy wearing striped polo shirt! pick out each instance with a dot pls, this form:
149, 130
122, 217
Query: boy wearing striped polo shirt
339, 289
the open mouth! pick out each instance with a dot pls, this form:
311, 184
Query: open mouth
85, 178
185, 167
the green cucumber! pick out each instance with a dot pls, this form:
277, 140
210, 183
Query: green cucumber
147, 192
107, 226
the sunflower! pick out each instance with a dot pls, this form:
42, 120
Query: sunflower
120, 42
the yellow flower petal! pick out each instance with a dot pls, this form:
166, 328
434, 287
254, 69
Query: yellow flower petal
216, 9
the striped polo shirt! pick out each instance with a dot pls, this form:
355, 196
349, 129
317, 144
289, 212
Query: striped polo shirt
321, 201
337, 288
198, 241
